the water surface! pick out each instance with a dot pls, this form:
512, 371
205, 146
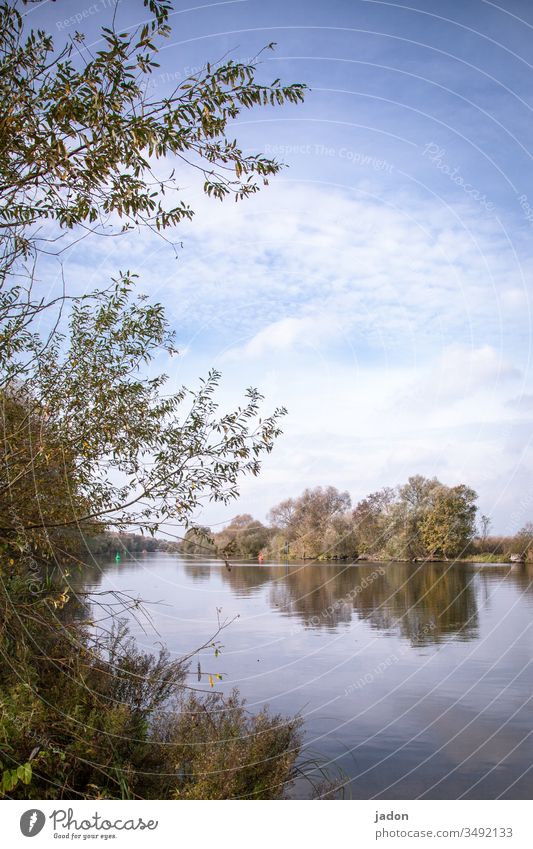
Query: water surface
415, 681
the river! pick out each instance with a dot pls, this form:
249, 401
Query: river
414, 681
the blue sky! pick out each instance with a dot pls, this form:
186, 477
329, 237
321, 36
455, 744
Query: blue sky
380, 288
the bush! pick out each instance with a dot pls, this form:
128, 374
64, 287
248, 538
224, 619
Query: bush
220, 751
86, 718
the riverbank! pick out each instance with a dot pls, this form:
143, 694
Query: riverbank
370, 657
488, 557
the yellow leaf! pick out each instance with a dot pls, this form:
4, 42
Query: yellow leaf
211, 682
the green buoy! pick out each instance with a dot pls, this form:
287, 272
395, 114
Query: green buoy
117, 557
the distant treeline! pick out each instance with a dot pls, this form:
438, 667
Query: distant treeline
421, 519
108, 544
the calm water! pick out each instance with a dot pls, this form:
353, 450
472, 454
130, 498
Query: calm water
414, 681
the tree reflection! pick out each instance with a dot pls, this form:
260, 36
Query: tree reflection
424, 602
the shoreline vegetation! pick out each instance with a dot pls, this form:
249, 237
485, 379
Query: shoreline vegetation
420, 521
106, 546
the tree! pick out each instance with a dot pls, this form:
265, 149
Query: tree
371, 521
133, 459
82, 146
415, 498
305, 520
420, 518
485, 522
283, 514
523, 541
91, 439
243, 537
449, 525
417, 491
85, 149
39, 498
198, 541
340, 540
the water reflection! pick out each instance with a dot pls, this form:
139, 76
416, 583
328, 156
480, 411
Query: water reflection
424, 603
421, 602
415, 680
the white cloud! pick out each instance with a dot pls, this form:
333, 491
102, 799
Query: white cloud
284, 335
521, 402
461, 372
392, 332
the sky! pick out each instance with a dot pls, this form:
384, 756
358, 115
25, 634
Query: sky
381, 287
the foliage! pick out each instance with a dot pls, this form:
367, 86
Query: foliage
448, 526
523, 541
81, 138
415, 500
100, 719
107, 544
222, 752
500, 548
371, 521
85, 149
421, 519
340, 538
197, 541
244, 537
483, 557
305, 521
92, 440
39, 499
12, 777
121, 450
